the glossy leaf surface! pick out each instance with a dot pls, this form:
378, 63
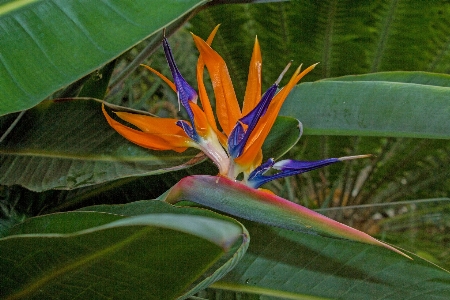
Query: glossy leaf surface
94, 253
49, 44
371, 108
218, 270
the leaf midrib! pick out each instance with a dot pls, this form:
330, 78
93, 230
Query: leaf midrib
262, 291
84, 157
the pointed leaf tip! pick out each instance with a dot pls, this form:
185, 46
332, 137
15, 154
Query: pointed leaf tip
355, 157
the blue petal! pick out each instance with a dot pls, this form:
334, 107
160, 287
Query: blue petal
287, 167
189, 130
263, 168
237, 140
185, 92
260, 110
303, 165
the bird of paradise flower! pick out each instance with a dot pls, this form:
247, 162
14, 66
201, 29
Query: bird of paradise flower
235, 147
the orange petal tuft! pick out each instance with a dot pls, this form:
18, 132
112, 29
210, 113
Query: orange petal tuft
151, 124
253, 89
149, 138
203, 95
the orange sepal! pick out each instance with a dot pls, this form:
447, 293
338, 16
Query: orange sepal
266, 122
151, 124
201, 122
253, 89
227, 107
203, 95
177, 141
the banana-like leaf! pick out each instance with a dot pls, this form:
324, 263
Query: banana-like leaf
240, 200
371, 108
69, 144
218, 270
48, 44
117, 252
281, 264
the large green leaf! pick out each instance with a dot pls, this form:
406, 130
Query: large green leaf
121, 253
371, 108
69, 144
49, 44
281, 264
219, 269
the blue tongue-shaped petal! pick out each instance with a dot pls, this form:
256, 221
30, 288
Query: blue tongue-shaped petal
259, 171
189, 130
238, 137
289, 167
